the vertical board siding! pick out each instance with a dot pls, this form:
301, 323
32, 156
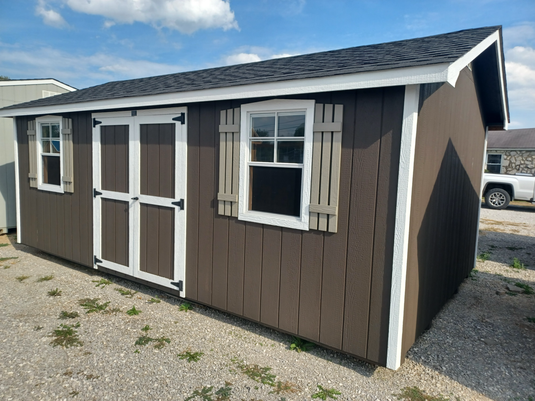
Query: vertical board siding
445, 200
157, 240
59, 224
157, 159
114, 154
331, 288
115, 231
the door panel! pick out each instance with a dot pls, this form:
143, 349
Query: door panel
115, 157
157, 159
115, 231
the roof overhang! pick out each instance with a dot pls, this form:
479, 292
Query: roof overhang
434, 73
49, 81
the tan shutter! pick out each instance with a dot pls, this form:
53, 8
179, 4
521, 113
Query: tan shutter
68, 165
229, 162
326, 155
32, 148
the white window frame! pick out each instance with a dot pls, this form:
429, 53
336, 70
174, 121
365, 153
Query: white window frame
270, 106
495, 164
40, 184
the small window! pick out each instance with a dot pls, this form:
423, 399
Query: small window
275, 162
494, 163
49, 163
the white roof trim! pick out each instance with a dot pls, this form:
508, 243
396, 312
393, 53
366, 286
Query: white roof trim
20, 82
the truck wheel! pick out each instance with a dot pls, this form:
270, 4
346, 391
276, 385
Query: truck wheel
497, 198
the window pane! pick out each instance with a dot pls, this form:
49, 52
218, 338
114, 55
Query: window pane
51, 170
275, 190
55, 147
262, 151
46, 146
494, 158
290, 151
494, 168
55, 130
45, 129
263, 126
291, 125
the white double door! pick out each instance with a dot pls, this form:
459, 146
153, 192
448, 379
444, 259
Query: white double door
139, 180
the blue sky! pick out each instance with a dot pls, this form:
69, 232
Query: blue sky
88, 42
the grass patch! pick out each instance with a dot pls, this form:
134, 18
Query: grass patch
324, 393
3, 245
45, 278
145, 339
91, 305
37, 328
185, 306
68, 315
484, 256
517, 264
300, 345
527, 289
206, 393
530, 319
9, 258
74, 393
155, 300
190, 356
66, 336
126, 293
102, 282
22, 278
415, 394
257, 373
54, 293
284, 388
133, 311
514, 248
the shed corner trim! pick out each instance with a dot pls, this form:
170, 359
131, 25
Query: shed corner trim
401, 231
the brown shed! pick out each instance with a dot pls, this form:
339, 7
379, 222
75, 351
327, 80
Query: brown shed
333, 196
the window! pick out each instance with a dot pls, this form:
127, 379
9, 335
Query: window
275, 162
49, 152
494, 163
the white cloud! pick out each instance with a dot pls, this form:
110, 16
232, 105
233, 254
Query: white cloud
50, 17
108, 24
519, 35
241, 58
186, 16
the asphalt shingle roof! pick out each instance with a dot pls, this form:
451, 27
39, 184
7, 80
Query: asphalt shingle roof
512, 139
445, 48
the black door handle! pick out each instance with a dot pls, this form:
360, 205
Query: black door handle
136, 198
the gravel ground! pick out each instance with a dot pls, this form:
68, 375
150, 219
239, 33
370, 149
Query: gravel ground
481, 346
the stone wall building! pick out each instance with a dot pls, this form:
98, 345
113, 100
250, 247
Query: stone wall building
511, 152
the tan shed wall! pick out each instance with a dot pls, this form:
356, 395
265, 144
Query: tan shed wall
445, 200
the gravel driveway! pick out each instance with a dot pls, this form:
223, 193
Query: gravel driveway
481, 346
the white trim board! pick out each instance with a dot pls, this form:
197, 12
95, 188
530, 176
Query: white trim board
17, 185
401, 231
37, 82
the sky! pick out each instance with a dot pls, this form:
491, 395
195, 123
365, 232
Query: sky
88, 42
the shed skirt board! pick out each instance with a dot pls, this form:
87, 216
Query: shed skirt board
139, 175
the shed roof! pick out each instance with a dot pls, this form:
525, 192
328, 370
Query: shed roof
512, 139
437, 58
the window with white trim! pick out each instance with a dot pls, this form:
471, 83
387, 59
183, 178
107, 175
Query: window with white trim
494, 163
49, 153
276, 162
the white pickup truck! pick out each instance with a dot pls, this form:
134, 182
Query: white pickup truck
500, 189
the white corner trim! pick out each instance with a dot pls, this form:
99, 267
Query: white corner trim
481, 194
401, 231
372, 79
17, 184
23, 82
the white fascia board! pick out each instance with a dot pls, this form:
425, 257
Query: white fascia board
372, 79
402, 223
458, 65
37, 82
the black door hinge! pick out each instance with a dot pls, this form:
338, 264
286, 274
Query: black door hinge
181, 118
96, 193
96, 122
179, 284
179, 203
96, 260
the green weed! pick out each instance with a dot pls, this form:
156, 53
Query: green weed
513, 248
91, 305
8, 258
323, 393
74, 393
155, 300
45, 278
415, 394
37, 328
530, 319
300, 345
3, 245
102, 282
160, 342
133, 311
205, 394
190, 356
66, 336
54, 293
22, 278
484, 256
126, 293
146, 328
284, 387
527, 289
472, 274
257, 373
223, 393
517, 264
145, 339
185, 306
68, 315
